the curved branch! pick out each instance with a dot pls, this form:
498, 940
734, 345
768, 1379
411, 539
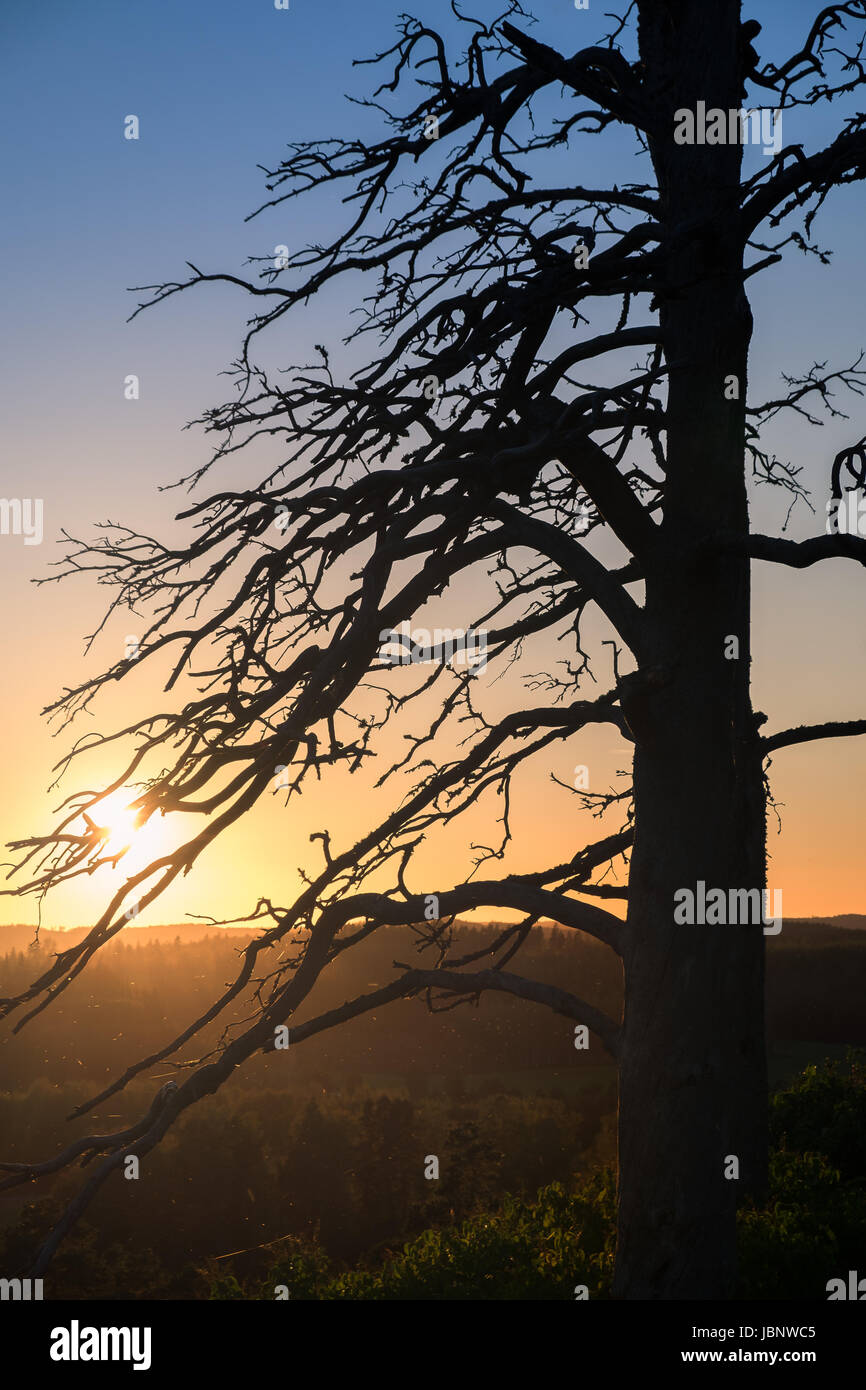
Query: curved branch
809, 175
456, 982
577, 562
619, 94
800, 554
807, 733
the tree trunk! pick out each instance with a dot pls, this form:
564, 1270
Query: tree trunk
693, 1083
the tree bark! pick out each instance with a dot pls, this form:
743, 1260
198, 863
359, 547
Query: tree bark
693, 1081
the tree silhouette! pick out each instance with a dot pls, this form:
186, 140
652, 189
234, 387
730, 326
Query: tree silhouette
551, 372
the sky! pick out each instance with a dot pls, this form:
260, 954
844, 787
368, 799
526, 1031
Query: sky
219, 89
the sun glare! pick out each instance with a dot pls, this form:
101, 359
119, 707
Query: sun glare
114, 820
117, 824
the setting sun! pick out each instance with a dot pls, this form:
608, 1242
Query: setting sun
115, 821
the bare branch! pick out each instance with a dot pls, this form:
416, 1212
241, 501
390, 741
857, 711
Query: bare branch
808, 733
800, 554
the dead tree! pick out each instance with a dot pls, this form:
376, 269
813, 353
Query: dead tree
548, 364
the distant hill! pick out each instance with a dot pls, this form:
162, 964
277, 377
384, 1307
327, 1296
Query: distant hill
18, 937
150, 982
845, 919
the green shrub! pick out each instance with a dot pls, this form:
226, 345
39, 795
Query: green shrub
824, 1111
